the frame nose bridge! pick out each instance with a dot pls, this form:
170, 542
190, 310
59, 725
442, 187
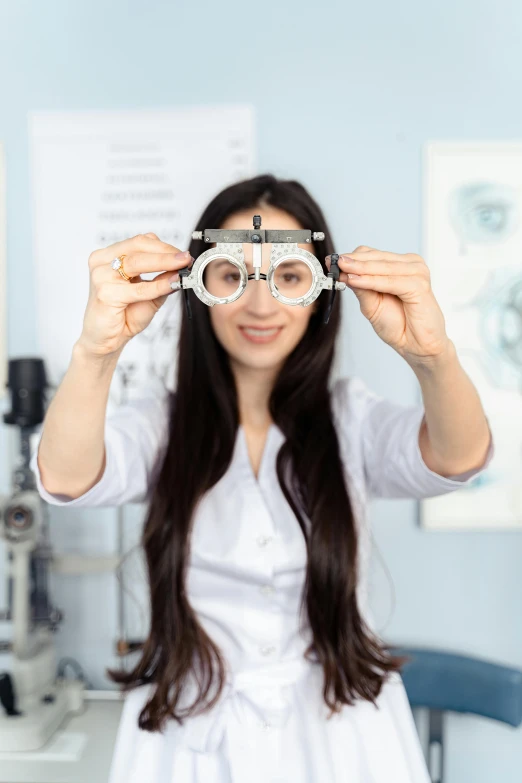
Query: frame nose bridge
257, 255
257, 293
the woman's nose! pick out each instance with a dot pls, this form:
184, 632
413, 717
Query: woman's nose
258, 299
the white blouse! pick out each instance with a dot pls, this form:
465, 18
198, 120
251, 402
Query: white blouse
245, 579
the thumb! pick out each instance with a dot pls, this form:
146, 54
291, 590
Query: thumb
151, 235
160, 300
368, 300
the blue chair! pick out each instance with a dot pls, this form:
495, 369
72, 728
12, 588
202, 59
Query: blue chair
443, 682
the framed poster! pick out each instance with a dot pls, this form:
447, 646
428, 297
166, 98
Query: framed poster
472, 245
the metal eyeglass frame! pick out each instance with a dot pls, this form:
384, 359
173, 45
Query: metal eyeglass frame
284, 247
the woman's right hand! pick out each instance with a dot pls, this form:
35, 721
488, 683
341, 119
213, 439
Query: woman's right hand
119, 309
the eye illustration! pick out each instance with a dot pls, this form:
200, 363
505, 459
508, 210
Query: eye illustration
499, 304
483, 212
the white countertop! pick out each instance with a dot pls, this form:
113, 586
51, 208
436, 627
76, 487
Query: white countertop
80, 752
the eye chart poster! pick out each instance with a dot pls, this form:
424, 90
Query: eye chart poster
97, 178
473, 247
100, 177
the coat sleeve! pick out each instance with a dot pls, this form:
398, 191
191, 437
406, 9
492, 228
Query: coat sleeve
136, 435
384, 437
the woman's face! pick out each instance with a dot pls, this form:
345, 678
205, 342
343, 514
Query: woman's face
256, 330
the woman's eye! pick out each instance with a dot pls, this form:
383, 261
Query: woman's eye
232, 276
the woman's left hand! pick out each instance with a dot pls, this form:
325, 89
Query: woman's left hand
395, 295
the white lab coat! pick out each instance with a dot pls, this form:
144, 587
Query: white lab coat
247, 567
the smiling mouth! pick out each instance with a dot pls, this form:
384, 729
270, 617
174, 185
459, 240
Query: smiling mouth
260, 334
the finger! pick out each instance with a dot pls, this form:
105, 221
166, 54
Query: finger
133, 266
360, 252
401, 286
125, 293
163, 276
144, 263
170, 278
160, 300
369, 267
381, 255
139, 243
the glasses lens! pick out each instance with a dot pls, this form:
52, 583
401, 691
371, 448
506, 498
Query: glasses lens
293, 278
221, 278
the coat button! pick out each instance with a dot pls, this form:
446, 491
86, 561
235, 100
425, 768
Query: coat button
267, 590
268, 650
264, 540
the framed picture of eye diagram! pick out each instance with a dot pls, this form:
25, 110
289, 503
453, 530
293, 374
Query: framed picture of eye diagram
472, 243
3, 264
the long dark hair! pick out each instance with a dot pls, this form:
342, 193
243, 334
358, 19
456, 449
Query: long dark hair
310, 472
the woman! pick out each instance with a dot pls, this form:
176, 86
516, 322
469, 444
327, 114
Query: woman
260, 664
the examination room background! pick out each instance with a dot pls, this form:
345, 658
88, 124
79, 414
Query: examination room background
345, 94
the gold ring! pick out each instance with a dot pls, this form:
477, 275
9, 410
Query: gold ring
117, 264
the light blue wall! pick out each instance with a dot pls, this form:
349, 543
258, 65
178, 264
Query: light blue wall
346, 95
